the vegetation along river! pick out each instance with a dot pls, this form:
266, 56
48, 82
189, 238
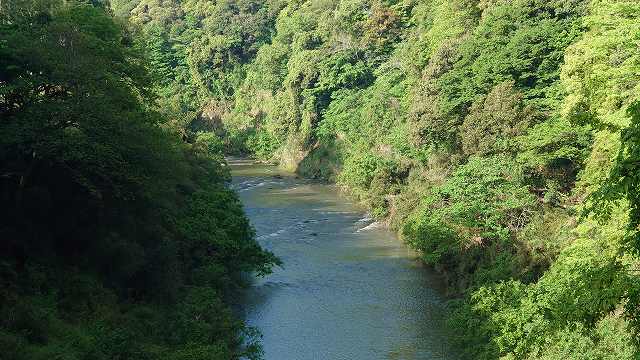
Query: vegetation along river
348, 289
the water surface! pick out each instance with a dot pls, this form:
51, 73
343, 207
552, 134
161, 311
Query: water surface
348, 290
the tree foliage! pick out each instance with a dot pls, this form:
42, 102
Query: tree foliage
120, 240
479, 129
498, 137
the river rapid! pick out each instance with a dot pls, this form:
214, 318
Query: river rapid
348, 289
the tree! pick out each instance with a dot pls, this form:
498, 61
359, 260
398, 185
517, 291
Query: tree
494, 122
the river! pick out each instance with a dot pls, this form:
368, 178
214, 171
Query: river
348, 289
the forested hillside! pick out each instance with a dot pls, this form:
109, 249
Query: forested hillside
119, 238
498, 137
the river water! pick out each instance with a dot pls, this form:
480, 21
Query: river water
348, 289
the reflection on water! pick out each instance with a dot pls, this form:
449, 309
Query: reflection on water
348, 289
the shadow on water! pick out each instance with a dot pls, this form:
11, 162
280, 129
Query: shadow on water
348, 288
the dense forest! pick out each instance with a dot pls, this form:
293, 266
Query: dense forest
497, 137
119, 236
500, 138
